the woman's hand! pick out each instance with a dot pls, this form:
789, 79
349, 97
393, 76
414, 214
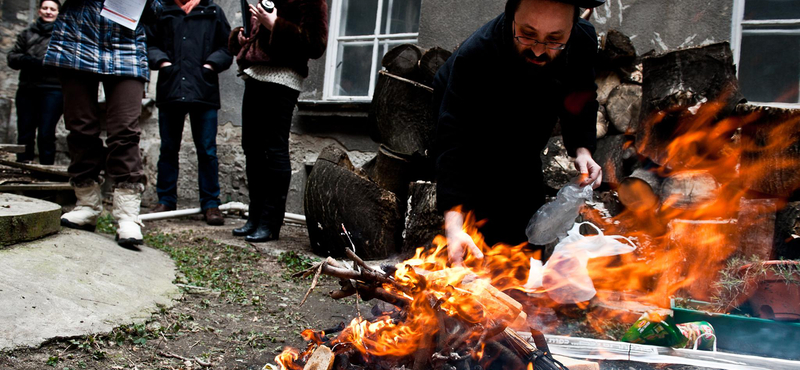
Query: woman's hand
266, 19
240, 37
164, 64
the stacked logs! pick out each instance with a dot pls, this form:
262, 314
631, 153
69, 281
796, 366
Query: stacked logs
650, 102
388, 203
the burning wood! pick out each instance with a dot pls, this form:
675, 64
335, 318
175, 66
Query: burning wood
437, 318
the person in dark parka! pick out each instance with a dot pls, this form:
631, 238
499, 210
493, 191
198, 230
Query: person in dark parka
188, 45
499, 97
39, 101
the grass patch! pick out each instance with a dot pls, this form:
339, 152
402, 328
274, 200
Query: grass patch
105, 224
206, 263
295, 262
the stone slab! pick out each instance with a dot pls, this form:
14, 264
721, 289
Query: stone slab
78, 283
23, 218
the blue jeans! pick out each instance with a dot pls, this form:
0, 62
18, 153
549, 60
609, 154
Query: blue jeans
204, 132
38, 109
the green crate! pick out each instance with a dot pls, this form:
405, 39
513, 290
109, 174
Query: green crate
745, 335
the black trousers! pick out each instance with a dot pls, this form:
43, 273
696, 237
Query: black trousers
38, 109
267, 110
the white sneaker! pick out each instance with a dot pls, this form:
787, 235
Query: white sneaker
126, 212
87, 209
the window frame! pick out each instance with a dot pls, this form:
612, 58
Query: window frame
375, 39
740, 26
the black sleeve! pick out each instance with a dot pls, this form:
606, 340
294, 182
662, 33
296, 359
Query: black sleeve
156, 52
221, 58
457, 87
18, 58
579, 111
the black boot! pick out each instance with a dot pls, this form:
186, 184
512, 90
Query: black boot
249, 227
274, 207
263, 233
255, 184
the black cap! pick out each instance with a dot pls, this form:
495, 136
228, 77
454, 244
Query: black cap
584, 3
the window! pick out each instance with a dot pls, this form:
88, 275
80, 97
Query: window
361, 32
766, 43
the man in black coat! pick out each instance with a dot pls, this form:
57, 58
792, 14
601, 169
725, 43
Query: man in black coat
500, 96
189, 47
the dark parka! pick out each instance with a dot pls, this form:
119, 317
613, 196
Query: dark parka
496, 115
188, 41
27, 56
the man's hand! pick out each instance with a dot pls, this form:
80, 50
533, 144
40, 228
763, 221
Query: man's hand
458, 241
208, 66
266, 19
591, 172
164, 64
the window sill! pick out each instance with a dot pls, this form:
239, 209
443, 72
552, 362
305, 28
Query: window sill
327, 108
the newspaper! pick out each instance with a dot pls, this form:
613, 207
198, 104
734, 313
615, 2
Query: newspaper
124, 12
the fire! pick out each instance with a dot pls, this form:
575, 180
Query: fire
686, 238
683, 238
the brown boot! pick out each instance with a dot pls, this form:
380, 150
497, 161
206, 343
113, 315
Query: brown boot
214, 217
162, 208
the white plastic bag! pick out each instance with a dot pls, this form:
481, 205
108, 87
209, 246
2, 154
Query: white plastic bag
552, 220
564, 276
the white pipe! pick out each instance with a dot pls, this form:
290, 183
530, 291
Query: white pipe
230, 206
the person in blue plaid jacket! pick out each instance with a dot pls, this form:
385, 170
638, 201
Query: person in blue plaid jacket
89, 49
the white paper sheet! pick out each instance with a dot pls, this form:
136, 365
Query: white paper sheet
124, 12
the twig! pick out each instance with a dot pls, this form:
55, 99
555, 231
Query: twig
313, 282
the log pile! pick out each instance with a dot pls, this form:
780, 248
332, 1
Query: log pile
385, 214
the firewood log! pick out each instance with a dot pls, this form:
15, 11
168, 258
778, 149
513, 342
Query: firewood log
321, 359
430, 62
403, 61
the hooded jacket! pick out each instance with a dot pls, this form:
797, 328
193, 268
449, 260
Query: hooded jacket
27, 56
188, 41
496, 115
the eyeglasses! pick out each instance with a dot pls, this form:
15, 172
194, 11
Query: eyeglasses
527, 41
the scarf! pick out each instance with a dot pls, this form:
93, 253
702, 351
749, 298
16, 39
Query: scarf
187, 5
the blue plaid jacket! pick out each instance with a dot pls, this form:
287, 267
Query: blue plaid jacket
84, 40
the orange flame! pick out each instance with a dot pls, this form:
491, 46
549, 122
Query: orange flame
683, 240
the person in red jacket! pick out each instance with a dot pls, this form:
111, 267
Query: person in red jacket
273, 61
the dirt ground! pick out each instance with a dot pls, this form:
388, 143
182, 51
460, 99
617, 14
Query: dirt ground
239, 308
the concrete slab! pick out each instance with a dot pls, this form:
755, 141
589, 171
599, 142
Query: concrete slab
76, 283
23, 218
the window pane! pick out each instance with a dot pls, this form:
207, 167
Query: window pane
404, 16
353, 67
358, 17
769, 68
771, 9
